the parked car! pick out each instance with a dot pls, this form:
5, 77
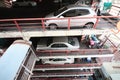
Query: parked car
58, 43
58, 61
24, 3
59, 18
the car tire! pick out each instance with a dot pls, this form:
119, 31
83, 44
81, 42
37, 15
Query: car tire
52, 26
89, 25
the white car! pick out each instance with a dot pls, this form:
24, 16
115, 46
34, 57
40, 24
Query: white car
24, 3
59, 18
58, 43
58, 61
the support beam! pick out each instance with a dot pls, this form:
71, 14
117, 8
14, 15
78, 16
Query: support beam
47, 33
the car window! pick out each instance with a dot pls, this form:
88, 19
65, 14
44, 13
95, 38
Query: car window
49, 41
71, 41
82, 12
58, 45
55, 46
70, 13
76, 12
51, 59
60, 11
62, 45
59, 59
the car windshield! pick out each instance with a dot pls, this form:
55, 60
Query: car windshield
71, 41
59, 11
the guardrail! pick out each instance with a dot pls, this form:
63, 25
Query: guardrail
68, 65
75, 52
63, 74
39, 23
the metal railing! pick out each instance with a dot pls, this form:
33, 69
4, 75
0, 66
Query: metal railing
39, 23
75, 52
68, 65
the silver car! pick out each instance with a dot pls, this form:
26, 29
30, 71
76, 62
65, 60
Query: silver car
58, 61
78, 17
58, 43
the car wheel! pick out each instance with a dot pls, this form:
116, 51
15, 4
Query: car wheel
53, 26
89, 25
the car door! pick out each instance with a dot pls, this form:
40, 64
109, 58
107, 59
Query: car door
79, 17
67, 15
82, 17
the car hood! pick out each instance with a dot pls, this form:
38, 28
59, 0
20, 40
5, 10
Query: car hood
51, 15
